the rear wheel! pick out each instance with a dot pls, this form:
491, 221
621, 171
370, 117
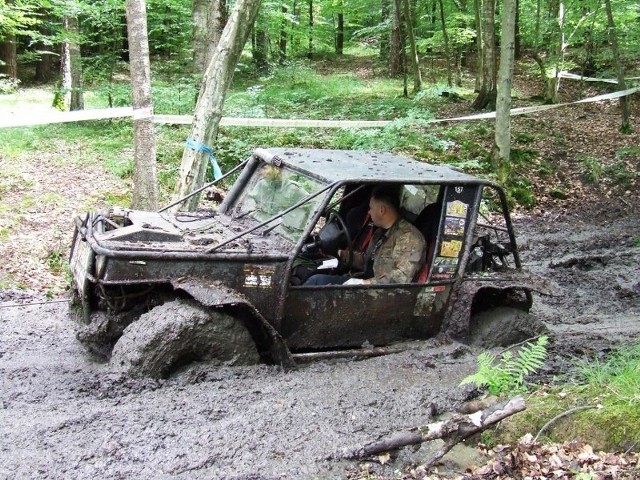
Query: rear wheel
180, 332
503, 326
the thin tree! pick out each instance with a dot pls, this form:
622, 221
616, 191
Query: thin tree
477, 8
340, 29
415, 61
625, 102
208, 111
396, 50
487, 95
310, 49
71, 65
445, 37
282, 42
145, 196
502, 145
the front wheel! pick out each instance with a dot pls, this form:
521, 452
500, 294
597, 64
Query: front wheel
180, 332
503, 326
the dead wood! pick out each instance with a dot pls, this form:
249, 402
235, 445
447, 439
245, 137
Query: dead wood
452, 431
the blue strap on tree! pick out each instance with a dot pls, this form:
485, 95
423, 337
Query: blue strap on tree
199, 147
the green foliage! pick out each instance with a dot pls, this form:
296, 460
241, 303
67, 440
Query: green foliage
18, 17
56, 261
521, 156
507, 374
521, 191
617, 375
611, 384
8, 85
558, 193
621, 174
523, 137
592, 168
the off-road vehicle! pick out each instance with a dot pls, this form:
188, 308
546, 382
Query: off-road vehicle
157, 290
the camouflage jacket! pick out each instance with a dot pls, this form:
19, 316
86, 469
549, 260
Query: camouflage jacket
401, 254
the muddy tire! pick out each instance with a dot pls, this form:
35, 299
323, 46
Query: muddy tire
178, 333
503, 326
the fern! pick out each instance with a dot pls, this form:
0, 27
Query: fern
507, 374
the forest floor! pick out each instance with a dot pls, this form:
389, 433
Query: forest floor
63, 416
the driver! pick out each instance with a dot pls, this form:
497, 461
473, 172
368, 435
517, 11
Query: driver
397, 249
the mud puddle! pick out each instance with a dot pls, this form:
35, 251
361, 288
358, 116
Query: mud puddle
65, 416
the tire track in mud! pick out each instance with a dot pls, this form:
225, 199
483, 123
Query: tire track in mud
596, 262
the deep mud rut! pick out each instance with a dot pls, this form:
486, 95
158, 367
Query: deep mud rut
64, 416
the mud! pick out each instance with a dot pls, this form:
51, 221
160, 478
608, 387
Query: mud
64, 416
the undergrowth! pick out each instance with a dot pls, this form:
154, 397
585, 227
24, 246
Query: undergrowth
506, 374
605, 394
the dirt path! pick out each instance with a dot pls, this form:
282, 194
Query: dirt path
62, 416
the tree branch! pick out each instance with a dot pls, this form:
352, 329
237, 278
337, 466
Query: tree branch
453, 430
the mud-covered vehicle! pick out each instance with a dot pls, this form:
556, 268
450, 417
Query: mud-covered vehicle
156, 291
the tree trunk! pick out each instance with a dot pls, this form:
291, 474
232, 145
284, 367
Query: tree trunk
209, 17
71, 64
9, 57
396, 54
208, 111
477, 5
145, 194
385, 44
487, 95
517, 53
502, 145
260, 47
282, 44
310, 50
340, 32
200, 33
415, 61
551, 79
625, 102
445, 36
536, 30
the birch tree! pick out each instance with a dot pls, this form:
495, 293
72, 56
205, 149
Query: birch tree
502, 145
71, 64
145, 196
208, 111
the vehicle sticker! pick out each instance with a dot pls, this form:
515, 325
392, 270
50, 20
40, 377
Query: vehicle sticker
424, 303
454, 226
256, 276
457, 209
444, 268
450, 248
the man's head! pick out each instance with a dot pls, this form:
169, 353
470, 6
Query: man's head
384, 205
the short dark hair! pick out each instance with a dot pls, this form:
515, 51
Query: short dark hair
388, 194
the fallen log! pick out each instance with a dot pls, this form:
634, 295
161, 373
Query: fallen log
452, 431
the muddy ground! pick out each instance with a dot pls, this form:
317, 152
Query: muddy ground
63, 415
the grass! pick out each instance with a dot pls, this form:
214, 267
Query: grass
611, 386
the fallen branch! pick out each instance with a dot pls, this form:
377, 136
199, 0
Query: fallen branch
452, 430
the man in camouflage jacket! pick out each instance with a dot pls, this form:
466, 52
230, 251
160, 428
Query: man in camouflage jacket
398, 249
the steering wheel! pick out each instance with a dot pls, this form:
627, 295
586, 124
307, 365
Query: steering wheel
336, 219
